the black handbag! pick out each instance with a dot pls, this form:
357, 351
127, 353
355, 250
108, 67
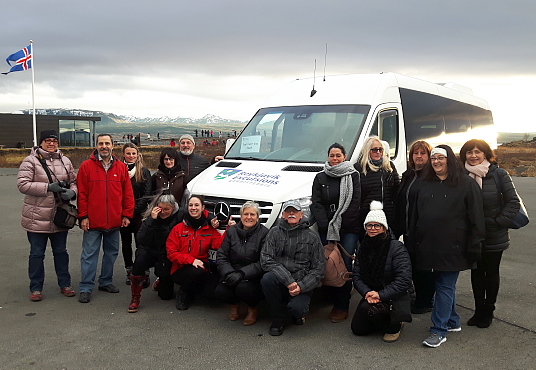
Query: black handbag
401, 309
66, 213
522, 217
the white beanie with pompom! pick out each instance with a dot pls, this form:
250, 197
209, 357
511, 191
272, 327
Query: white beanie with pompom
376, 214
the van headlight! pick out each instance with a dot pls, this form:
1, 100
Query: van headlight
305, 202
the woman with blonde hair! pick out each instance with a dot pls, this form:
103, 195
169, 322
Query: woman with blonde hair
140, 178
379, 179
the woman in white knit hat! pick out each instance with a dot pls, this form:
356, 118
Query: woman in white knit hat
382, 275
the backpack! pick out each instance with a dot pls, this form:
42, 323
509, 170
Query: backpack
335, 272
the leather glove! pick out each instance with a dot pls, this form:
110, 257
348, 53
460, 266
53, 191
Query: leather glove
68, 194
55, 187
234, 278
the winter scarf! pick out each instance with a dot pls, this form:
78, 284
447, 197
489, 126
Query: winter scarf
478, 172
344, 171
372, 256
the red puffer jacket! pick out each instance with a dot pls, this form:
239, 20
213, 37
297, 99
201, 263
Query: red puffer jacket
184, 244
105, 197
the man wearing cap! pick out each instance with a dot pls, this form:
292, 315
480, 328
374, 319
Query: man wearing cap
105, 203
293, 258
191, 163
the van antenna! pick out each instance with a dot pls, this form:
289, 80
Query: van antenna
325, 61
313, 91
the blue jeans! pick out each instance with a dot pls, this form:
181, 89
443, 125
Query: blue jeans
90, 257
36, 268
444, 313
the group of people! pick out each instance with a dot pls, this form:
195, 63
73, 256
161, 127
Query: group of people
450, 213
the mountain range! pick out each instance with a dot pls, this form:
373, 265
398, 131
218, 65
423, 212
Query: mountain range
120, 120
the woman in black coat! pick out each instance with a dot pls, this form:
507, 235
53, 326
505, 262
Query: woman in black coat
379, 180
140, 178
238, 261
419, 156
449, 226
382, 274
336, 195
499, 208
162, 215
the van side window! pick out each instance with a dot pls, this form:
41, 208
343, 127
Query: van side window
428, 116
386, 128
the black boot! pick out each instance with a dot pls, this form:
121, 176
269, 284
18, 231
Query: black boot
479, 310
487, 316
183, 300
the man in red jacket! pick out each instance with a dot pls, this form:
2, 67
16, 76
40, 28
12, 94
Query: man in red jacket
105, 203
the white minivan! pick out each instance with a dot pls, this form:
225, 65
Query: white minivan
278, 153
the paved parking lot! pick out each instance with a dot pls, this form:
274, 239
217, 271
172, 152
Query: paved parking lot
60, 333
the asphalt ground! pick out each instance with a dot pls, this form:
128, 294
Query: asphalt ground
61, 333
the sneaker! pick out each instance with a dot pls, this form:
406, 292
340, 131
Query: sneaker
156, 284
434, 340
68, 291
454, 328
110, 288
84, 297
277, 328
36, 296
298, 320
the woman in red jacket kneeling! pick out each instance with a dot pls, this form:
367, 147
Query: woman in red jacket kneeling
187, 247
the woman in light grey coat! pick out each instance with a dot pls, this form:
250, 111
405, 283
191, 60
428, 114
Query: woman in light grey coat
39, 209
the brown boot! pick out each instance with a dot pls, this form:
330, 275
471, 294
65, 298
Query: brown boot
251, 317
234, 314
135, 287
338, 315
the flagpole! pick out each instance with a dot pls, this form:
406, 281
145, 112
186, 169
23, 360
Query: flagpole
33, 98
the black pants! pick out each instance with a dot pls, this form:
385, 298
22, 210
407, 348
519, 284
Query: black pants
423, 282
126, 239
485, 279
281, 301
247, 291
364, 322
195, 280
145, 259
340, 296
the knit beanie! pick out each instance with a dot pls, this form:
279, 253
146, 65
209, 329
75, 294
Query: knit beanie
188, 137
48, 134
376, 214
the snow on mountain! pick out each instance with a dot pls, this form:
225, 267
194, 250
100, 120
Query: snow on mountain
208, 119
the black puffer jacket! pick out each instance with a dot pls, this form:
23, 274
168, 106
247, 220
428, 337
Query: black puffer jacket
326, 190
193, 165
498, 212
396, 278
241, 250
142, 191
153, 233
381, 186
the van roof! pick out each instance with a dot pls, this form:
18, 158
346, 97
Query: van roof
368, 89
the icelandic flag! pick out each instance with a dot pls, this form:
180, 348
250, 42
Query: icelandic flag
22, 60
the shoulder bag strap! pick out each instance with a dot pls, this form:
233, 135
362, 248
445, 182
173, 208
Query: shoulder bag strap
47, 171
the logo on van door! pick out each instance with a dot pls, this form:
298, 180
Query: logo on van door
226, 173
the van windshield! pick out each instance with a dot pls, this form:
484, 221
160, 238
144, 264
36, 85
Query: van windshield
299, 134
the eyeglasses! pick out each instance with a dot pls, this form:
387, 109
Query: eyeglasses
373, 226
169, 159
438, 159
376, 150
51, 141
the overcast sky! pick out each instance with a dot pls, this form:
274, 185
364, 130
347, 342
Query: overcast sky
191, 58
